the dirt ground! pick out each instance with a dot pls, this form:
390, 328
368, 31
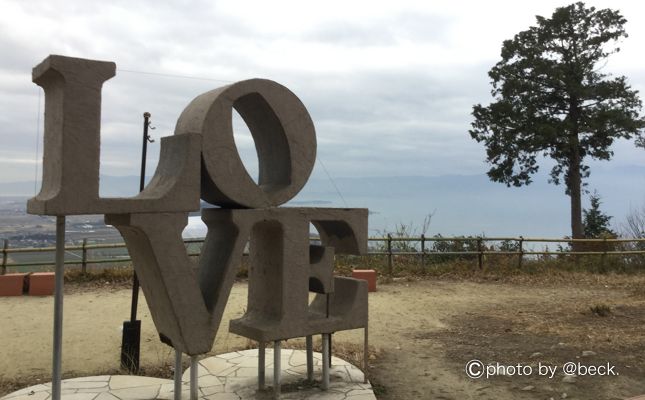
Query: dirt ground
424, 333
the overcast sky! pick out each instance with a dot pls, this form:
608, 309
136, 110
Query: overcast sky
389, 85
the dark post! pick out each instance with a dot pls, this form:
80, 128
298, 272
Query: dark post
4, 256
330, 335
389, 255
521, 252
84, 259
130, 345
480, 255
603, 255
423, 250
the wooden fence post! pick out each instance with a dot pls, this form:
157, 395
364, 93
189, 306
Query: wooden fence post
4, 256
604, 253
389, 255
480, 255
521, 252
423, 250
84, 262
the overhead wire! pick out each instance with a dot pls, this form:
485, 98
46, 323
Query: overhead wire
198, 78
331, 180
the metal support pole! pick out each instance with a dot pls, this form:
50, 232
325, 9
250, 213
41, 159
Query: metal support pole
366, 355
276, 369
325, 357
194, 367
310, 358
328, 311
480, 255
58, 308
261, 365
177, 375
521, 252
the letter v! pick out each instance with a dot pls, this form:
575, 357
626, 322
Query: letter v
187, 311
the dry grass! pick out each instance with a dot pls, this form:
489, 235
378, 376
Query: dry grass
503, 269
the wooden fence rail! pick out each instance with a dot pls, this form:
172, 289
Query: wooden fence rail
385, 246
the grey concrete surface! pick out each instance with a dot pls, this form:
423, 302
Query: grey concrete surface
284, 137
71, 153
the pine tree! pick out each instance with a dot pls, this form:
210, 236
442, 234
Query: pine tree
596, 223
551, 100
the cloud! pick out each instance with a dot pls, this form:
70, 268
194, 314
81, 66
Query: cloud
390, 86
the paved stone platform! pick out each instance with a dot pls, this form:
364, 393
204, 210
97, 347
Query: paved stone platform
230, 376
105, 387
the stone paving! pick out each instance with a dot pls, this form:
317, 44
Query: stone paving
105, 387
230, 376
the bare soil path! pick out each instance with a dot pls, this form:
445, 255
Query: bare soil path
425, 333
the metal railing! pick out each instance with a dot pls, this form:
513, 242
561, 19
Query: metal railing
387, 247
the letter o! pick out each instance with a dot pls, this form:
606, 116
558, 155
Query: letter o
284, 135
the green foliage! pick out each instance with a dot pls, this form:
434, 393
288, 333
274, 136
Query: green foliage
403, 231
595, 222
551, 100
508, 245
454, 245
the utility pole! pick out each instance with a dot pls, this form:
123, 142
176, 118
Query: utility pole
131, 343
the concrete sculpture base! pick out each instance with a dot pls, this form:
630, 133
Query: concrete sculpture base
226, 376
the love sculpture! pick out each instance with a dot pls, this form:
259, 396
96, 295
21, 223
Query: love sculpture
201, 161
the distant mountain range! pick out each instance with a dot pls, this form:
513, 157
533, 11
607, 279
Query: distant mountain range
460, 204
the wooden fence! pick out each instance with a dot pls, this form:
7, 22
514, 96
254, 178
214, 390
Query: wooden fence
390, 246
479, 249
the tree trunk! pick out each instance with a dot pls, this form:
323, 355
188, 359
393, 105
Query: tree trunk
574, 181
577, 231
575, 187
